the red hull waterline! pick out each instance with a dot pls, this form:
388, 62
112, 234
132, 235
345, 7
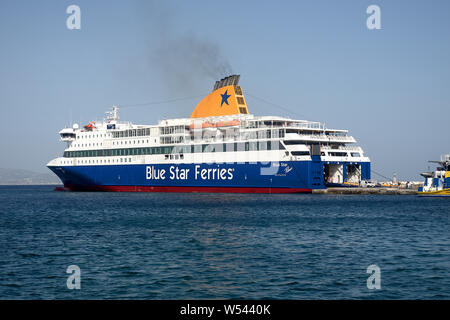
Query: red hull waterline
183, 189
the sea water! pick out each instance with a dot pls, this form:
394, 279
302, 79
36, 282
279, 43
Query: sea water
231, 246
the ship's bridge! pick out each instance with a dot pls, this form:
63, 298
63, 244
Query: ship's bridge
68, 134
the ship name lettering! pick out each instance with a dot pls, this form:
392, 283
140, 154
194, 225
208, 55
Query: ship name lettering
178, 174
155, 174
213, 173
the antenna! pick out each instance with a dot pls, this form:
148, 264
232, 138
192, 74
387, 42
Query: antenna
113, 115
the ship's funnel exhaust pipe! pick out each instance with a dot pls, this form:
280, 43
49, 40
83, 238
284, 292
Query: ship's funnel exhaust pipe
232, 80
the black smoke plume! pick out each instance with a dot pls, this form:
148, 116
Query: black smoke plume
183, 59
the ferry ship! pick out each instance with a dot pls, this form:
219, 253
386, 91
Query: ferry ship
221, 147
437, 183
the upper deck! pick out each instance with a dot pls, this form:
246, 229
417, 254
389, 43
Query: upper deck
212, 129
220, 118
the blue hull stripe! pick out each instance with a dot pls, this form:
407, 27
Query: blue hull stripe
286, 174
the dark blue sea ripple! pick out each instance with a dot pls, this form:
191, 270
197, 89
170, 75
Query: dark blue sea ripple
203, 246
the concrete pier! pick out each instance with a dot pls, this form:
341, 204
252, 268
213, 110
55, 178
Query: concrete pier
391, 191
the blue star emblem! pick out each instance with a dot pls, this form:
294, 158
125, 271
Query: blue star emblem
225, 97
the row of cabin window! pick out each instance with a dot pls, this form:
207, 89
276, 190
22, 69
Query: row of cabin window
222, 147
102, 161
89, 136
173, 129
182, 129
342, 154
264, 134
146, 132
267, 134
131, 133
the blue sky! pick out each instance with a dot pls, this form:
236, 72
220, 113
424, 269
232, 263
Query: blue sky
316, 59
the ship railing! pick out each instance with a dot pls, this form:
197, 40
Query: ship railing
285, 126
347, 148
308, 125
315, 137
325, 138
343, 138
